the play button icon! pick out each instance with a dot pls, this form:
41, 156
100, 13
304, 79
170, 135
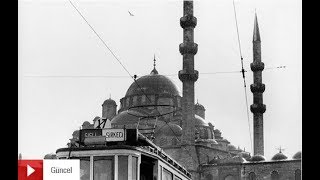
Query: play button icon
30, 170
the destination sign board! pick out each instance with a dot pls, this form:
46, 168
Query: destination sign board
114, 134
84, 133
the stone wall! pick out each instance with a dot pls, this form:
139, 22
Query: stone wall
285, 169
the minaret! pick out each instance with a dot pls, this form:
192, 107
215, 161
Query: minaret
188, 155
257, 88
188, 75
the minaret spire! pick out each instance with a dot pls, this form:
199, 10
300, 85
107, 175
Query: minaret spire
256, 33
257, 88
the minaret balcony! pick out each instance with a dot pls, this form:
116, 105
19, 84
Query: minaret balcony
188, 48
258, 108
257, 66
188, 21
185, 75
257, 88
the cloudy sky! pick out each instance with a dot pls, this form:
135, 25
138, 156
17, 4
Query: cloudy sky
65, 72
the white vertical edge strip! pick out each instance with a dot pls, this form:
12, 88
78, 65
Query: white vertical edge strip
91, 167
130, 167
116, 167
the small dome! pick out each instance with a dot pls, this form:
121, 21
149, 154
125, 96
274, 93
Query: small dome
231, 147
199, 121
257, 158
279, 156
153, 83
297, 155
87, 125
96, 118
169, 129
109, 102
223, 140
50, 156
75, 134
199, 106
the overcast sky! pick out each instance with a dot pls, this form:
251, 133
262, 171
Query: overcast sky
64, 69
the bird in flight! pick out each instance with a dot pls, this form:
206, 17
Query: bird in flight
130, 13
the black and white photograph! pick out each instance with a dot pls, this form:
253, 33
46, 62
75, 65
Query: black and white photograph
160, 89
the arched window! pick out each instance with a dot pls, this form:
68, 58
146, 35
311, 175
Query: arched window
297, 174
229, 177
252, 176
274, 175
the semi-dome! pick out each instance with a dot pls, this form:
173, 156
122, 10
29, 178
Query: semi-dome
153, 83
257, 158
297, 155
169, 129
126, 117
279, 156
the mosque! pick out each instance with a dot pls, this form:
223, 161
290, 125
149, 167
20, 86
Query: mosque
174, 122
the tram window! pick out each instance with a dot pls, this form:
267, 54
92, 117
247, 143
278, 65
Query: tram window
177, 178
134, 167
103, 168
123, 167
166, 175
85, 168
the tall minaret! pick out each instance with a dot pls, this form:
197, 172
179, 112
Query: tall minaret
188, 75
257, 88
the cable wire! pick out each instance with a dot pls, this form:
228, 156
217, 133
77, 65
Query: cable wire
101, 39
243, 73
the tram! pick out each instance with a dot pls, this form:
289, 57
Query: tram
121, 154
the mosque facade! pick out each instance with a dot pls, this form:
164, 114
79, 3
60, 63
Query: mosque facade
174, 122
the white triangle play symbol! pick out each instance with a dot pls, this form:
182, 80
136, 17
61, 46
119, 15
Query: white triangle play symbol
30, 170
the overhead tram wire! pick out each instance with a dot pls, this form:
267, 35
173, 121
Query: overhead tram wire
243, 73
101, 39
133, 77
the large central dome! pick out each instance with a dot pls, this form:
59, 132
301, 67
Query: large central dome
153, 83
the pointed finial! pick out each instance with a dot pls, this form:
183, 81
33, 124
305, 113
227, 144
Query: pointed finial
256, 33
154, 60
154, 71
110, 96
280, 149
